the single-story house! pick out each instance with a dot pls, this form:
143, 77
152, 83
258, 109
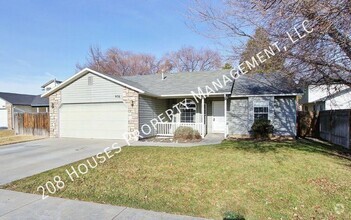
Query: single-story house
94, 105
11, 103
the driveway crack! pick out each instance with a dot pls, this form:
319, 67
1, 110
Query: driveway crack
20, 207
115, 217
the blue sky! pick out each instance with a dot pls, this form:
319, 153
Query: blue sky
40, 40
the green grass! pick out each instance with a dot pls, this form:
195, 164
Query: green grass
259, 180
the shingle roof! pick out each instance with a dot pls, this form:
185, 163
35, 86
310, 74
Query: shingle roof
24, 99
264, 84
38, 101
183, 84
177, 83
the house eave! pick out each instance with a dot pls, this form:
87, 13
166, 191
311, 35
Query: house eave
192, 95
281, 94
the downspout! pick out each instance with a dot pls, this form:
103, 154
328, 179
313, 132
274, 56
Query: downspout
13, 117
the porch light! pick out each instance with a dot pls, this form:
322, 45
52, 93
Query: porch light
52, 105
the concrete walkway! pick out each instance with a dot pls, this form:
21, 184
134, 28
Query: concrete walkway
16, 205
209, 139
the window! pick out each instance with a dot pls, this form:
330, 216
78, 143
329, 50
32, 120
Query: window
188, 111
261, 113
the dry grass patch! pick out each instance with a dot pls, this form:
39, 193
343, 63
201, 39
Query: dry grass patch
6, 133
260, 180
9, 137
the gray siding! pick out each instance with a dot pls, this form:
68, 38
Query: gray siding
282, 114
238, 116
285, 116
150, 108
101, 90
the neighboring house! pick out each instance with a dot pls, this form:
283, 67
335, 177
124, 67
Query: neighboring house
95, 105
50, 85
11, 103
326, 97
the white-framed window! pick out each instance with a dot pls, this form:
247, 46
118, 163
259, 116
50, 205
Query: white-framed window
188, 111
261, 111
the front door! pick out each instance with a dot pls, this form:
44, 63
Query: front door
218, 122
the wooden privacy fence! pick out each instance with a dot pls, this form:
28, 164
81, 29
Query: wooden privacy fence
36, 124
333, 126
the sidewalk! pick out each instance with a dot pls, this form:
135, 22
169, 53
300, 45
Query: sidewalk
17, 205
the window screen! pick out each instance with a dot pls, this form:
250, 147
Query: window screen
260, 113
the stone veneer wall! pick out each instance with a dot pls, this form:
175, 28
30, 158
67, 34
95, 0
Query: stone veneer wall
54, 105
9, 115
131, 99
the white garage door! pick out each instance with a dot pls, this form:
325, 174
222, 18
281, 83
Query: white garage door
3, 118
104, 120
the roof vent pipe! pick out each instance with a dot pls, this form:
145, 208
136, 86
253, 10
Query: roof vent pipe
162, 75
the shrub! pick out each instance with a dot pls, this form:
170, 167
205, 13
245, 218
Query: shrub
186, 133
233, 216
262, 128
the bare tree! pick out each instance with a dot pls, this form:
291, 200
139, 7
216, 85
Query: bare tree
125, 63
255, 45
122, 63
189, 59
323, 56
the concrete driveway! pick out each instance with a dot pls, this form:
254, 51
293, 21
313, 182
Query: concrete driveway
25, 159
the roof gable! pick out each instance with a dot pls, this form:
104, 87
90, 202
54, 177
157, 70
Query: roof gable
83, 73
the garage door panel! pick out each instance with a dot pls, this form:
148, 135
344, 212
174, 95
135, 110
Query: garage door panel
3, 118
103, 120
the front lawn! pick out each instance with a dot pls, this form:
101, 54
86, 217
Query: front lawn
260, 180
9, 137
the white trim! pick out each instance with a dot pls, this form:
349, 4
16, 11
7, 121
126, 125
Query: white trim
260, 105
82, 73
288, 94
225, 117
180, 95
203, 116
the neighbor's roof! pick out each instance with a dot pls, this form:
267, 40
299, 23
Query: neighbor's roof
51, 81
264, 84
174, 84
38, 101
24, 99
